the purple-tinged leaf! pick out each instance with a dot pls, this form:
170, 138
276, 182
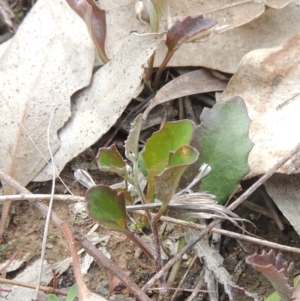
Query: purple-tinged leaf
276, 270
95, 20
109, 159
180, 33
107, 207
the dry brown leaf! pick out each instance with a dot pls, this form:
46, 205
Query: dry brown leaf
96, 108
220, 49
285, 192
268, 81
194, 82
50, 58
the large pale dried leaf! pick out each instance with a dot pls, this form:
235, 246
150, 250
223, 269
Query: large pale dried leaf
50, 58
224, 51
285, 192
276, 27
194, 82
268, 81
96, 108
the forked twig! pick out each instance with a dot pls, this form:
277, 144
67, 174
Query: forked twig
45, 289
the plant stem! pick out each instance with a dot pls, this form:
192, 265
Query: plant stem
158, 261
177, 265
138, 187
150, 68
162, 68
140, 243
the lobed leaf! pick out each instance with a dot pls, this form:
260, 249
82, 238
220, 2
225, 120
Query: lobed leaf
275, 269
223, 142
107, 207
95, 20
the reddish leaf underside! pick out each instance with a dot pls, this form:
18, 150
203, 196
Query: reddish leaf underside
181, 31
95, 20
276, 270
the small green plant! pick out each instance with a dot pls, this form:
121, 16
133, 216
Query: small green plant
70, 297
170, 157
165, 158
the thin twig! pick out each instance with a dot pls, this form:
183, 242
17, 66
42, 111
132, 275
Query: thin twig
44, 197
183, 278
264, 178
47, 222
272, 209
83, 291
45, 289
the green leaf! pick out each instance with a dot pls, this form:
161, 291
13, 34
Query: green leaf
107, 207
109, 159
131, 144
223, 142
72, 293
167, 181
172, 136
52, 297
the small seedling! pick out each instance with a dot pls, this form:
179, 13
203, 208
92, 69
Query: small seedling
165, 158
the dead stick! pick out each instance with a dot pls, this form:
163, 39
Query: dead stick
255, 240
45, 289
101, 259
205, 231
